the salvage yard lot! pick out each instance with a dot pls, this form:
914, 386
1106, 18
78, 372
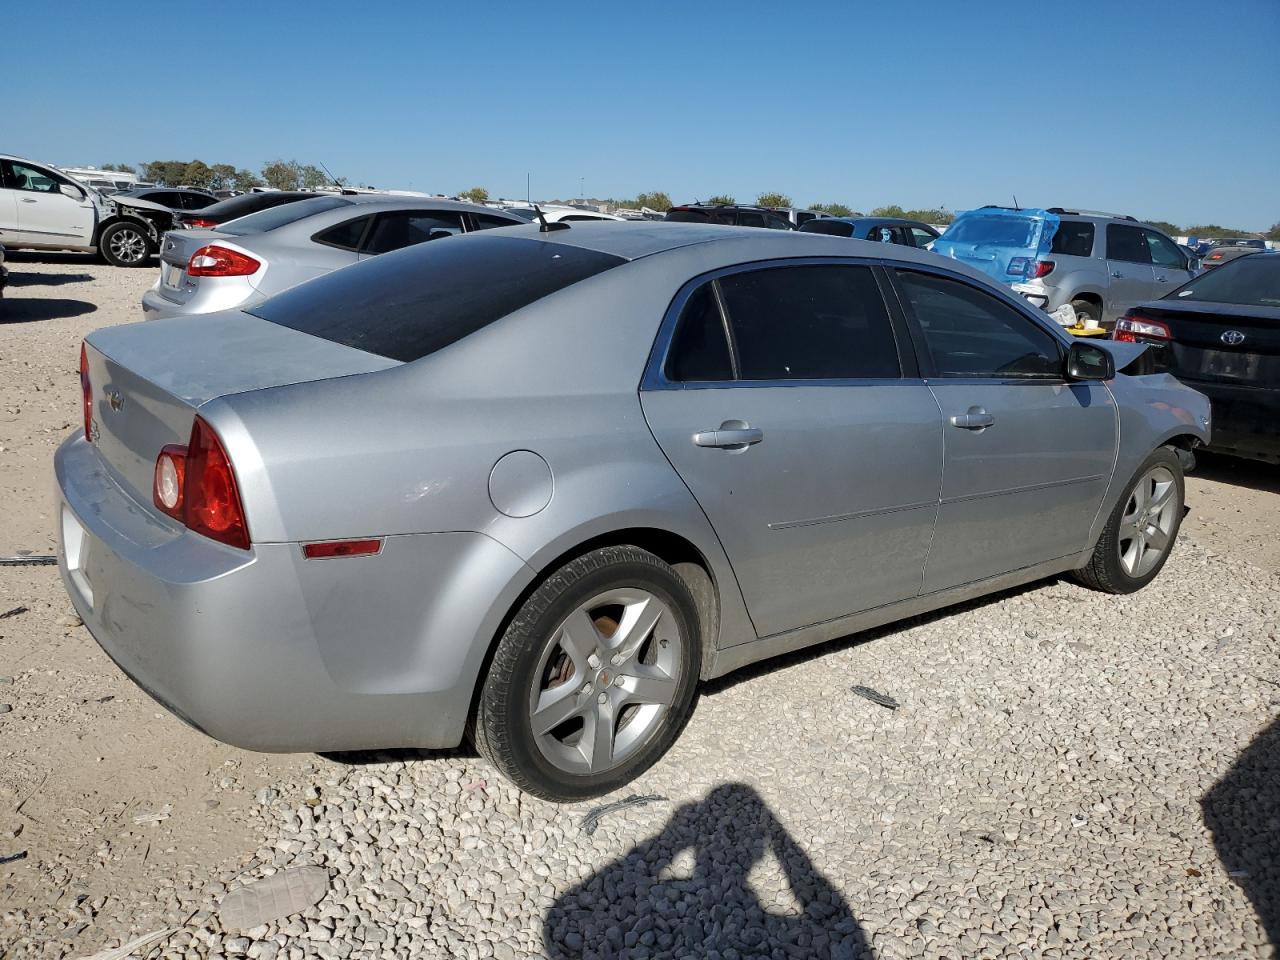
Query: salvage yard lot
1067, 774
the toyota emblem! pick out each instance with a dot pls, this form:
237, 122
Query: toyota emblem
1233, 338
115, 398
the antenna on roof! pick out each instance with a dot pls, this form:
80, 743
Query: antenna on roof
1015, 202
548, 227
331, 176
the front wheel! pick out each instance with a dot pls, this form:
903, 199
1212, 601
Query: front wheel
125, 244
594, 677
1141, 530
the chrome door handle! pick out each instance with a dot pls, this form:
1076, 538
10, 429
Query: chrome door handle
975, 419
728, 437
1161, 280
1117, 274
27, 199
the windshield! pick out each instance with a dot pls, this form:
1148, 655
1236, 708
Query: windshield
410, 303
998, 231
265, 220
1252, 281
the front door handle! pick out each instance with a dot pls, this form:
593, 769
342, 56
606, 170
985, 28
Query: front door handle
1117, 274
730, 435
975, 419
28, 199
1161, 280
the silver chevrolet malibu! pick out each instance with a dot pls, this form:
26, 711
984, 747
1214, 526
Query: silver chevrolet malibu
532, 485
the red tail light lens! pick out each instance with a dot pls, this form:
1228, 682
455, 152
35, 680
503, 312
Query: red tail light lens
215, 261
201, 222
86, 394
170, 478
1042, 269
210, 497
328, 549
1134, 325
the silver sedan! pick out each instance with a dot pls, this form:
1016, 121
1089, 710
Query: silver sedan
533, 485
244, 261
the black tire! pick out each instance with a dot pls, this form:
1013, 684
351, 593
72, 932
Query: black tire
126, 244
1104, 571
503, 731
1089, 308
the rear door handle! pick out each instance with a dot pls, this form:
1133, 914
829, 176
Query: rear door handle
28, 199
1161, 280
1117, 274
732, 434
975, 419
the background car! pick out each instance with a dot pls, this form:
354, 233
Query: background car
249, 259
907, 233
732, 215
470, 484
1101, 264
1220, 333
799, 216
558, 214
241, 206
1224, 251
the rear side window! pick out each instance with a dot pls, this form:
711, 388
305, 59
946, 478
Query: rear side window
699, 349
1074, 239
815, 322
750, 218
1127, 244
689, 216
345, 236
405, 228
972, 334
833, 228
411, 303
265, 220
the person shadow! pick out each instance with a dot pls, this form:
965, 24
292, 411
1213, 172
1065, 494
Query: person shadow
653, 903
1242, 811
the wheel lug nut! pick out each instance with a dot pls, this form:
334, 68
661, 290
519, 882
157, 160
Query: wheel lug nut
603, 699
587, 688
617, 681
617, 659
593, 662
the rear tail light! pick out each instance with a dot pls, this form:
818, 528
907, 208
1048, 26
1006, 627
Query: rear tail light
1029, 268
1018, 266
200, 222
215, 261
196, 485
1042, 269
86, 394
1134, 325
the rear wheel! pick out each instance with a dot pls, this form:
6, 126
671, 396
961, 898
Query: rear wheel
125, 244
1086, 310
1141, 530
594, 677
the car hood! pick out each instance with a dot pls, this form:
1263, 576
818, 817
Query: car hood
142, 204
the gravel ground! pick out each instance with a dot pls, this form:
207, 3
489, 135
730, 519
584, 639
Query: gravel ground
1066, 775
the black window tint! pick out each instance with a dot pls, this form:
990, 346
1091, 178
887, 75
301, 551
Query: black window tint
972, 334
413, 302
345, 235
699, 350
1164, 252
810, 323
690, 216
774, 222
485, 221
1126, 243
276, 217
750, 218
1074, 239
834, 228
921, 237
404, 228
197, 201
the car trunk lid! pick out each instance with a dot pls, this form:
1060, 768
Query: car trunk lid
176, 249
1220, 342
148, 380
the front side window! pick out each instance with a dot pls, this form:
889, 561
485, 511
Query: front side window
1127, 243
1164, 252
816, 322
405, 228
19, 176
921, 237
1073, 239
972, 334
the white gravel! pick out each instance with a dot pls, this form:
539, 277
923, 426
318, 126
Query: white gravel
1067, 775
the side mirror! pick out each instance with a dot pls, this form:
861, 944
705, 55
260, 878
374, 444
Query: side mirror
69, 190
1087, 361
1193, 265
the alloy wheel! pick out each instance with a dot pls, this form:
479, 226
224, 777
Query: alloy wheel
128, 246
605, 681
1147, 524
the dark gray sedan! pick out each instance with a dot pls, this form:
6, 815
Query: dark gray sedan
535, 485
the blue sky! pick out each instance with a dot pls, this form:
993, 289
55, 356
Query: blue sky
1100, 104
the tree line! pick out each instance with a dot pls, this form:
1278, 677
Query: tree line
277, 174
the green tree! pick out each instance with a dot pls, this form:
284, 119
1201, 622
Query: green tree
198, 174
1216, 230
893, 210
655, 200
773, 200
835, 209
167, 173
475, 195
245, 180
931, 216
119, 167
1164, 225
221, 176
313, 177
724, 198
1274, 232
282, 174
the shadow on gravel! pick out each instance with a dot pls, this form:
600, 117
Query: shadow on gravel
1241, 473
48, 256
1242, 811
14, 310
46, 279
645, 905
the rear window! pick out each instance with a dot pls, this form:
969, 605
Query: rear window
250, 203
265, 220
834, 228
411, 303
1074, 239
1000, 231
1251, 280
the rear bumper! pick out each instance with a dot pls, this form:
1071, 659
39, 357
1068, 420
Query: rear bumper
1246, 419
268, 651
214, 294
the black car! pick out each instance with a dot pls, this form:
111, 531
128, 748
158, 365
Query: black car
233, 207
1220, 333
731, 215
908, 233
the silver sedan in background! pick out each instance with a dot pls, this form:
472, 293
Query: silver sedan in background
535, 485
244, 261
